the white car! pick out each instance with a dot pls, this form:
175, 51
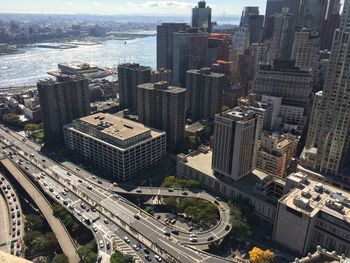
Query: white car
94, 228
158, 258
136, 247
126, 239
101, 243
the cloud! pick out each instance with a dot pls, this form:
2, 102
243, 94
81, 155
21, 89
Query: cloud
69, 3
96, 4
163, 4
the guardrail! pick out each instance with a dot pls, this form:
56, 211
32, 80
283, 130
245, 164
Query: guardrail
40, 193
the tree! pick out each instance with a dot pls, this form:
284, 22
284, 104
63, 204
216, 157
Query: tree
87, 252
34, 223
240, 227
258, 255
150, 210
38, 245
51, 241
32, 127
60, 258
12, 120
118, 257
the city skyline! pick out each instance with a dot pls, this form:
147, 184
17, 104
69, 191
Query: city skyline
109, 7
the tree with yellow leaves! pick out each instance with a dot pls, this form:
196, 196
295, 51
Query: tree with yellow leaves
258, 255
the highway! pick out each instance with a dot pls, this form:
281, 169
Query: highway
146, 229
11, 220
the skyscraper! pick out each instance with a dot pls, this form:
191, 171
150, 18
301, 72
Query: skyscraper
190, 52
332, 154
235, 138
218, 47
283, 35
204, 93
284, 80
312, 14
201, 16
305, 50
129, 76
162, 107
165, 40
247, 11
255, 27
61, 101
272, 7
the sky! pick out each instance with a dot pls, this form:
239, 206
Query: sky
125, 7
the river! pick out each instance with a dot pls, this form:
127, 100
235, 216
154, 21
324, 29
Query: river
26, 68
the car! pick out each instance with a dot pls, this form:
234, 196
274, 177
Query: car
101, 243
43, 174
8, 187
170, 189
18, 222
64, 193
93, 209
193, 239
12, 208
167, 233
26, 167
173, 221
136, 247
58, 196
190, 229
43, 160
77, 168
27, 162
148, 257
137, 217
216, 202
244, 255
99, 181
65, 202
80, 181
227, 227
158, 258
93, 177
71, 207
222, 208
138, 190
158, 216
217, 198
115, 184
210, 238
82, 205
66, 190
45, 184
193, 235
175, 232
94, 228
89, 187
2, 179
68, 173
108, 245
18, 232
184, 193
106, 221
51, 189
126, 240
146, 251
99, 259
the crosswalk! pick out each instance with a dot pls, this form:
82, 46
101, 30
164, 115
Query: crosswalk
121, 246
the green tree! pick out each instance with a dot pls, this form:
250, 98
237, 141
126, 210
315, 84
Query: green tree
240, 227
150, 210
60, 258
32, 127
38, 245
29, 237
51, 241
12, 120
118, 257
87, 252
34, 223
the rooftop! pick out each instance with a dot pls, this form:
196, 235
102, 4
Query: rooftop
116, 127
162, 85
311, 196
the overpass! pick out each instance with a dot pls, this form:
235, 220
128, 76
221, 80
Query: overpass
64, 239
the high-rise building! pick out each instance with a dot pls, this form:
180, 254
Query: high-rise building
165, 41
240, 40
120, 147
246, 70
331, 23
305, 50
161, 75
190, 52
255, 27
283, 35
333, 110
312, 14
272, 7
201, 16
61, 101
129, 76
247, 11
162, 107
235, 139
284, 80
204, 93
218, 47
